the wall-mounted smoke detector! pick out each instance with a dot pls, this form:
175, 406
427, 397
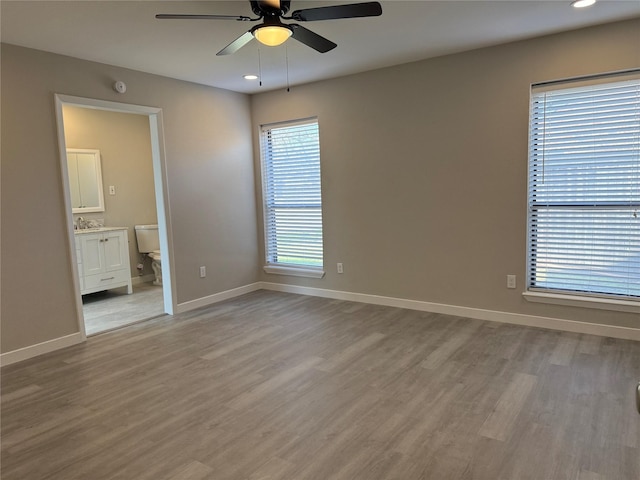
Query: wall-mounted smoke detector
120, 87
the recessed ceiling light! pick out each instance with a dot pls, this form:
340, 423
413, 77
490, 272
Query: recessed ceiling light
582, 3
250, 77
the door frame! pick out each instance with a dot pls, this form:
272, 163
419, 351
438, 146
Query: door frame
160, 182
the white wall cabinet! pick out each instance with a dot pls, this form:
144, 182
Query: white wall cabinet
85, 180
103, 259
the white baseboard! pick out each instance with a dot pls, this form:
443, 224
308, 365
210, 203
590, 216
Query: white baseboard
477, 313
217, 297
75, 338
143, 279
40, 348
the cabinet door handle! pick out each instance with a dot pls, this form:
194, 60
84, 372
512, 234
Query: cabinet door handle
106, 239
105, 279
101, 240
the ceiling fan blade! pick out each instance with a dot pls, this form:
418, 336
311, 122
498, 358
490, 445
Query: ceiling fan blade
367, 9
178, 16
311, 39
237, 44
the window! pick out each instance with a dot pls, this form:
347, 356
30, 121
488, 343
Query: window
292, 197
584, 189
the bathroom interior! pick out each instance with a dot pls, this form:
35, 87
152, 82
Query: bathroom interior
111, 184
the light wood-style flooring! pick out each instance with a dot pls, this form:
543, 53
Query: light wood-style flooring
285, 387
104, 311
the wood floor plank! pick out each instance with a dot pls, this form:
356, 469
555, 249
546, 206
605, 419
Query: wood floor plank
563, 353
453, 344
279, 386
586, 475
417, 432
274, 468
352, 351
259, 392
500, 423
243, 340
590, 344
192, 471
20, 393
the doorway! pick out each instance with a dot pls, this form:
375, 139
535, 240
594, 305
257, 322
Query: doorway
105, 309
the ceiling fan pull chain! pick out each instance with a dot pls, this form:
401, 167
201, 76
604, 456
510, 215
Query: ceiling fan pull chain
259, 66
286, 58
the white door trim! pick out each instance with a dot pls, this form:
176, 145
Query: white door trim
160, 180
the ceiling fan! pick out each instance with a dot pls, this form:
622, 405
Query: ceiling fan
273, 32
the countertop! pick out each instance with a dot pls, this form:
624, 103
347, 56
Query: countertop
83, 231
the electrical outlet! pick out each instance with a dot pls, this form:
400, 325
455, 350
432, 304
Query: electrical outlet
511, 281
112, 190
340, 269
203, 272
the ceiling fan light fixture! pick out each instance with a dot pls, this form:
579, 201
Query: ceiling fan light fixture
582, 3
272, 35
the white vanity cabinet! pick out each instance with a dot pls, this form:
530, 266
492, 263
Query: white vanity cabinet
103, 259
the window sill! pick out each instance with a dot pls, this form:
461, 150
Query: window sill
583, 301
308, 272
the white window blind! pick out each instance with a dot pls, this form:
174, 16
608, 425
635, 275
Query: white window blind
292, 194
584, 189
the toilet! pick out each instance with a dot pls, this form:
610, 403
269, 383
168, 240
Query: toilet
149, 243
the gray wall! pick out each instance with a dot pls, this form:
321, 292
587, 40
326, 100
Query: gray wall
424, 169
124, 142
424, 176
207, 135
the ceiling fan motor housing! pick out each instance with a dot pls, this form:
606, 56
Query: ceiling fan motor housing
270, 22
269, 8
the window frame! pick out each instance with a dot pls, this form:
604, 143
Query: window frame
560, 296
271, 267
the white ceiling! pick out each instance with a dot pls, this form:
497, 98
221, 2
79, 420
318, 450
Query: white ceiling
125, 33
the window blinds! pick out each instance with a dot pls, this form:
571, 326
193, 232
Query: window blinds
292, 195
584, 190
